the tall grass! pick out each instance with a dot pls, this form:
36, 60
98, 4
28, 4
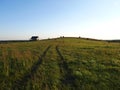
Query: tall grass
76, 64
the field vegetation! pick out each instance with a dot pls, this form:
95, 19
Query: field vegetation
60, 64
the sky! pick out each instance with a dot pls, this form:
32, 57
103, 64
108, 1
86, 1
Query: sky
21, 19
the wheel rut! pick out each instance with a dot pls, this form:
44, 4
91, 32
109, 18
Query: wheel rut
22, 81
68, 77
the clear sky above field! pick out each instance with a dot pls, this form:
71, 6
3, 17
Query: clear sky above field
20, 19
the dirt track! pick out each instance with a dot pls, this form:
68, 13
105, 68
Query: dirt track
21, 82
68, 79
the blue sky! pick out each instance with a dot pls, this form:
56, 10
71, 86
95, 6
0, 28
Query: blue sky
20, 19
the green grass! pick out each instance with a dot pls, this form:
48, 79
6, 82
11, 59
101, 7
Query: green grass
68, 64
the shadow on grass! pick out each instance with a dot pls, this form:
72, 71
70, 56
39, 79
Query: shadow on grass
20, 84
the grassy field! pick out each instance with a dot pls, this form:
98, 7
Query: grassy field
60, 64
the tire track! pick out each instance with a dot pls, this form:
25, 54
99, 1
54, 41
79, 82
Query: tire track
22, 81
66, 72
